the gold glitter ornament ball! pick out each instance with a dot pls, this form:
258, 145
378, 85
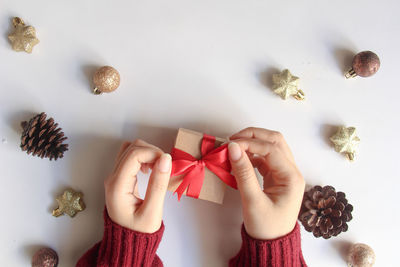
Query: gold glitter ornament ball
106, 79
361, 255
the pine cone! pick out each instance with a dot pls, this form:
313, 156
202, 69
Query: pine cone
325, 212
42, 138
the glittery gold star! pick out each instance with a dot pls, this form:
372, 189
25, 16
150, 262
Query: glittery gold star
70, 202
285, 85
346, 141
24, 37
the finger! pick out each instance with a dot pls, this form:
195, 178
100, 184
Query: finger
244, 173
138, 143
256, 146
259, 163
158, 184
142, 143
136, 190
122, 150
255, 159
130, 165
264, 135
275, 160
259, 133
268, 181
263, 148
146, 167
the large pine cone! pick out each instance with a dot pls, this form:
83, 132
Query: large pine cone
325, 212
42, 138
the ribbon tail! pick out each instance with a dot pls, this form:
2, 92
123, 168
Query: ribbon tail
182, 187
196, 183
192, 181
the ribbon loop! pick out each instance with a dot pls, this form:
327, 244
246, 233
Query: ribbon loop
214, 159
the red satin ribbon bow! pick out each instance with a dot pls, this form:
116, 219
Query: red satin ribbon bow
215, 159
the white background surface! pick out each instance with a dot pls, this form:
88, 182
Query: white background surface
203, 65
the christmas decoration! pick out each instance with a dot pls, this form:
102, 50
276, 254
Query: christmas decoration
361, 255
45, 257
70, 202
42, 138
285, 85
325, 212
106, 79
200, 166
365, 64
24, 37
346, 141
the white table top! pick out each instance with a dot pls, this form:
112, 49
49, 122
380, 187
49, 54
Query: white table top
206, 66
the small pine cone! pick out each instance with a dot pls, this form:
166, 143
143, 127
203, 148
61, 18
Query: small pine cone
325, 212
42, 138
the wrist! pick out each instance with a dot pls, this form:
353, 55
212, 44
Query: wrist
129, 225
267, 233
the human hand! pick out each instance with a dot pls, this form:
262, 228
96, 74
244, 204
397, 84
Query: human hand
269, 212
124, 205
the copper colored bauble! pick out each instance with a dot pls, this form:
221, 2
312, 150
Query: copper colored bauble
365, 64
106, 79
361, 255
45, 257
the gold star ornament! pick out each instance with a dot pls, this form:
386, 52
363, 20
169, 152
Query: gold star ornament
346, 141
24, 37
70, 202
285, 84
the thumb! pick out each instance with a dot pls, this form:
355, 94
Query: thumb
244, 173
158, 184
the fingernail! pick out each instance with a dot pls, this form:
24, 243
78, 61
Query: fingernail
164, 163
235, 152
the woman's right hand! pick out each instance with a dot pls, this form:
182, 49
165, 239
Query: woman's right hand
269, 212
124, 205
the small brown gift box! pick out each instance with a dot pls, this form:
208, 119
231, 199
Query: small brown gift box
213, 188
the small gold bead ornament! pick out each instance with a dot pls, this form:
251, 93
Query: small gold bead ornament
24, 37
70, 203
285, 84
106, 80
346, 141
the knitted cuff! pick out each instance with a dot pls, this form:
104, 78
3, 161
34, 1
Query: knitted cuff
125, 247
283, 251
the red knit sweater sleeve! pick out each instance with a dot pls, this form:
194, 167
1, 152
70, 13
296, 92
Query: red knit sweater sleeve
280, 252
123, 247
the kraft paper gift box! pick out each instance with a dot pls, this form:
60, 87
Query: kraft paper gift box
213, 188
